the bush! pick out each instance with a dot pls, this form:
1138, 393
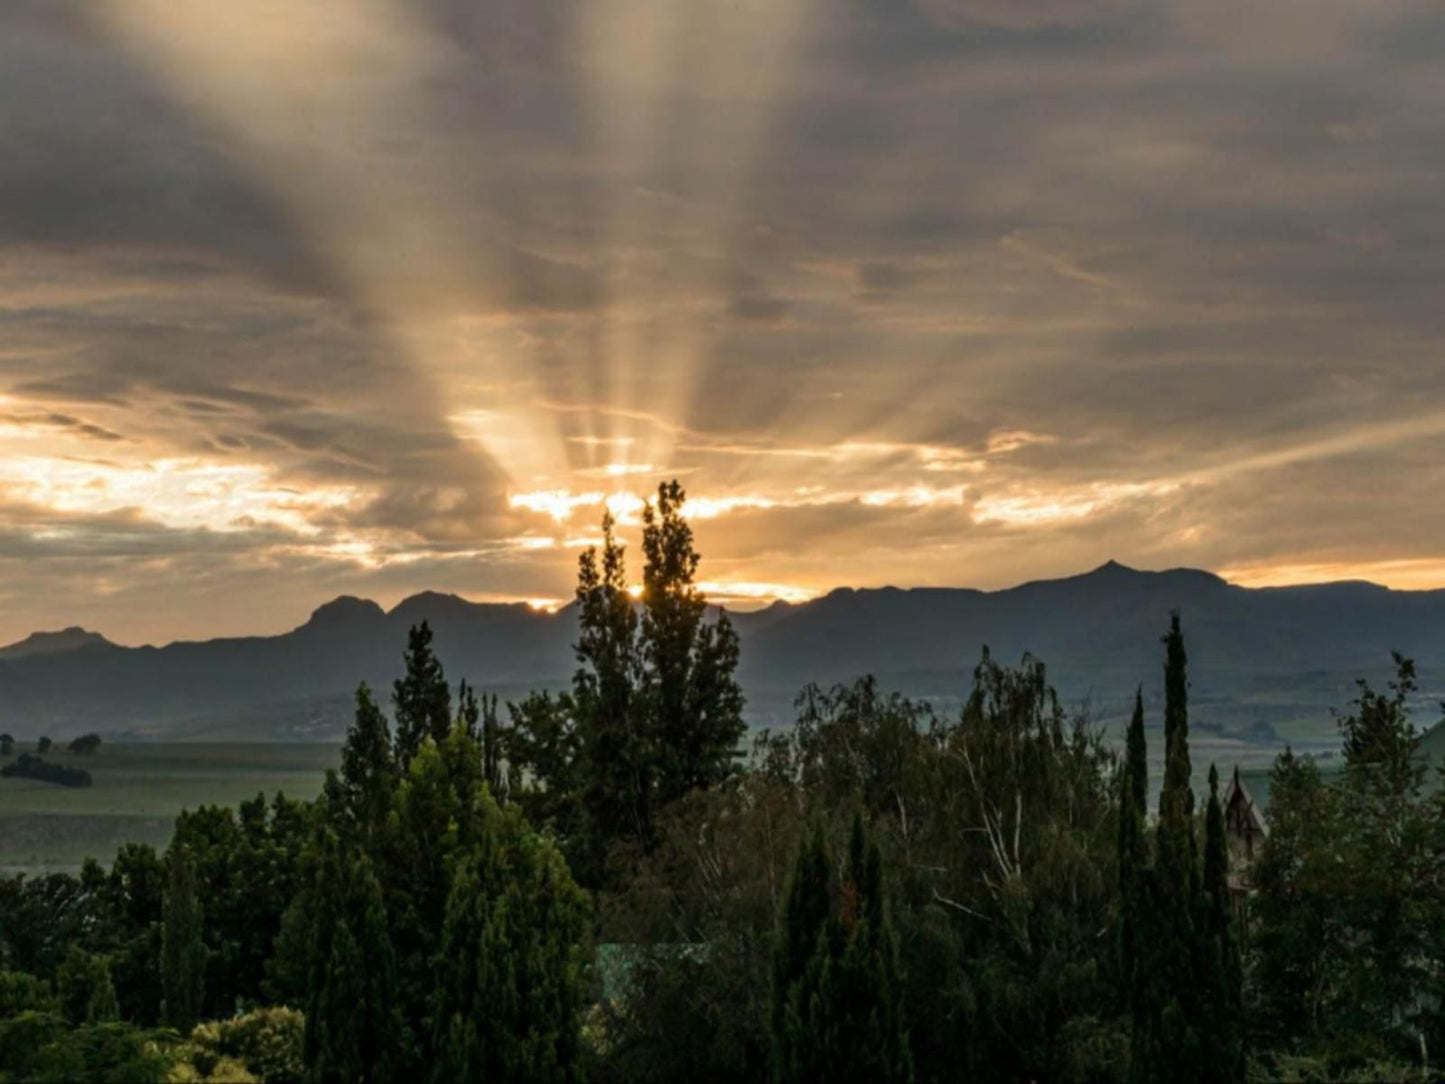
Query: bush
198, 1067
21, 992
38, 1047
266, 1041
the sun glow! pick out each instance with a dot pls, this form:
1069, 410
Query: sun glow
742, 594
175, 492
1418, 574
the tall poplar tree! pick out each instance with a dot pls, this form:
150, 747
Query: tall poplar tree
655, 709
183, 952
694, 701
616, 749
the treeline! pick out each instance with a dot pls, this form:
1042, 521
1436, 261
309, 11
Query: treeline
607, 886
28, 766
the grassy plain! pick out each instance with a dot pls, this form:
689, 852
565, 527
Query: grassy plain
138, 790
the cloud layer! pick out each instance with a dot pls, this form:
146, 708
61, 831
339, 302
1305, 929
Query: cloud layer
381, 296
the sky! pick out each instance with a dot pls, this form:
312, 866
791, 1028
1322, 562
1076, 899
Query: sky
300, 299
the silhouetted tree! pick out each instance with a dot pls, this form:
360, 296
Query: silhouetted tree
655, 710
368, 769
421, 701
85, 744
1135, 872
44, 746
1166, 1037
7, 745
617, 786
693, 698
1222, 978
183, 951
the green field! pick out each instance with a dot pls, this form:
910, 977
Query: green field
138, 790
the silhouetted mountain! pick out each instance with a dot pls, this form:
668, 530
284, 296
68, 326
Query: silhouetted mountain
1263, 661
45, 643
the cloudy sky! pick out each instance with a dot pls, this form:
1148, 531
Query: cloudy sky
303, 298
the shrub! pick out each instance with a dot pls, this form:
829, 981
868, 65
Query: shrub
266, 1041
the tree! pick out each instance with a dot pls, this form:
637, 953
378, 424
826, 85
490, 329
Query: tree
84, 988
368, 769
655, 710
183, 951
1344, 942
620, 771
694, 700
421, 701
1291, 934
806, 914
44, 746
509, 992
1166, 1038
354, 1028
841, 1018
1134, 865
134, 895
1388, 840
85, 744
7, 745
478, 719
1222, 981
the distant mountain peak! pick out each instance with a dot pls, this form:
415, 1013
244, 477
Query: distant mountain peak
52, 643
344, 610
1116, 570
430, 604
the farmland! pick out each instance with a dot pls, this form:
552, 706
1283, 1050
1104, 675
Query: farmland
138, 790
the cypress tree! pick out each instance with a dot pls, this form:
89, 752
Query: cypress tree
367, 770
1223, 979
1134, 869
354, 1031
1167, 1039
509, 991
421, 701
478, 719
183, 952
492, 748
1177, 876
842, 1018
806, 912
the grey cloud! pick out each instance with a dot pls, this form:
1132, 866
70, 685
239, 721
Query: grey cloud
1023, 14
1123, 224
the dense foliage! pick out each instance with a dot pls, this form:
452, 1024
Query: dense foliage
605, 887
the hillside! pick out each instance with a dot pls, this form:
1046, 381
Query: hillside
1267, 664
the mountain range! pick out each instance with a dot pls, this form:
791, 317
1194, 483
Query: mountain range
1267, 665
